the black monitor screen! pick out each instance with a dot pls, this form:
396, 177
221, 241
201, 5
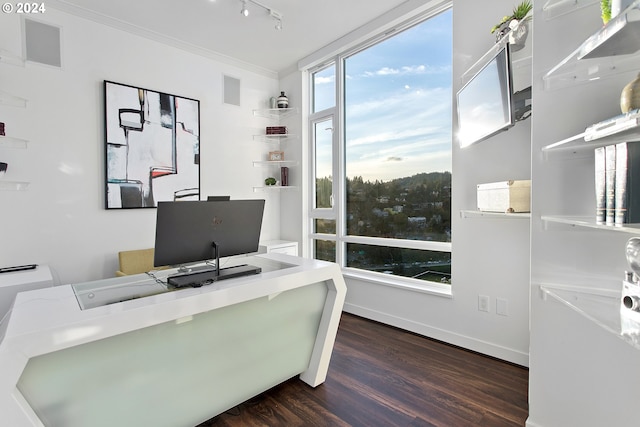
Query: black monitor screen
186, 230
485, 102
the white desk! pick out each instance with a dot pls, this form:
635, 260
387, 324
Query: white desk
171, 359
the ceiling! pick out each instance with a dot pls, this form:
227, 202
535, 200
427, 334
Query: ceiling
217, 28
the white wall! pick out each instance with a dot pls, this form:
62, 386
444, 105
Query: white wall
490, 257
60, 220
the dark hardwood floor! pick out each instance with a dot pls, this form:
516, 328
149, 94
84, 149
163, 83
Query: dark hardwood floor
383, 376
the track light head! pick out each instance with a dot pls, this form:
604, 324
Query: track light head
244, 11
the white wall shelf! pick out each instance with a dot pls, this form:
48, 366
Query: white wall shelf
275, 113
589, 222
555, 8
601, 306
267, 163
11, 142
498, 215
12, 100
13, 185
606, 53
7, 57
274, 188
274, 138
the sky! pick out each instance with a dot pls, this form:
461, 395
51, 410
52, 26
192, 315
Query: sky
399, 100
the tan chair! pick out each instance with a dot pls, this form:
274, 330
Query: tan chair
136, 261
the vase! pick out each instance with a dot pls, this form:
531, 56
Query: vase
518, 34
283, 101
630, 96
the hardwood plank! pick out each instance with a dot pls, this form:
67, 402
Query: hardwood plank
383, 376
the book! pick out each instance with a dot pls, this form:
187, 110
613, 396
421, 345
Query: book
284, 176
627, 183
600, 182
610, 183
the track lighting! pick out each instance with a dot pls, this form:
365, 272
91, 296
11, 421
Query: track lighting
277, 16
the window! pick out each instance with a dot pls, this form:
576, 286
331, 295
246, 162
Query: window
381, 155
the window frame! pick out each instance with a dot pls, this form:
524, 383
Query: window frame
338, 210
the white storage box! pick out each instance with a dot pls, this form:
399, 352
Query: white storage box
505, 196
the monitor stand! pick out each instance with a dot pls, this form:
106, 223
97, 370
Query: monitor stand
208, 276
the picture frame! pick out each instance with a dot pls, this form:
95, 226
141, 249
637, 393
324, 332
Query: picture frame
275, 156
152, 147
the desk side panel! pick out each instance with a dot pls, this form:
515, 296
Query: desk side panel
181, 372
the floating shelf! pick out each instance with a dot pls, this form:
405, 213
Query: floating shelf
274, 188
12, 100
499, 215
590, 222
555, 8
13, 185
11, 142
262, 163
7, 57
273, 138
275, 113
612, 48
600, 306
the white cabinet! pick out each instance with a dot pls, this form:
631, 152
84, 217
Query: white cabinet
21, 281
279, 247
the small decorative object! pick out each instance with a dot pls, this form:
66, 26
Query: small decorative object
270, 181
276, 155
631, 288
273, 103
630, 96
283, 101
284, 176
3, 168
2, 129
507, 23
276, 130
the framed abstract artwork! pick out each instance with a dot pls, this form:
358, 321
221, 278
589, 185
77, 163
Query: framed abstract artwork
152, 143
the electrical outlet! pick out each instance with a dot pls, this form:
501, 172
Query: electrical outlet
483, 303
501, 306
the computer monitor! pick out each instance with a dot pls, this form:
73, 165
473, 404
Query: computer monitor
218, 198
194, 231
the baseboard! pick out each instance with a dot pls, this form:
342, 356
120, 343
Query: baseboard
529, 423
493, 350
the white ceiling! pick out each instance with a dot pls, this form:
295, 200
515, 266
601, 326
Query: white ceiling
216, 27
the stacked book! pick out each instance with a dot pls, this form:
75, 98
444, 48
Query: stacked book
276, 130
617, 183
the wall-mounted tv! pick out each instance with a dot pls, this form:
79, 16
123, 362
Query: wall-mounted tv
485, 104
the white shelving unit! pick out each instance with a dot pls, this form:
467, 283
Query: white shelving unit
10, 142
583, 345
276, 139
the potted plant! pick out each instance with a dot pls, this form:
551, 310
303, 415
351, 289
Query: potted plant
507, 23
